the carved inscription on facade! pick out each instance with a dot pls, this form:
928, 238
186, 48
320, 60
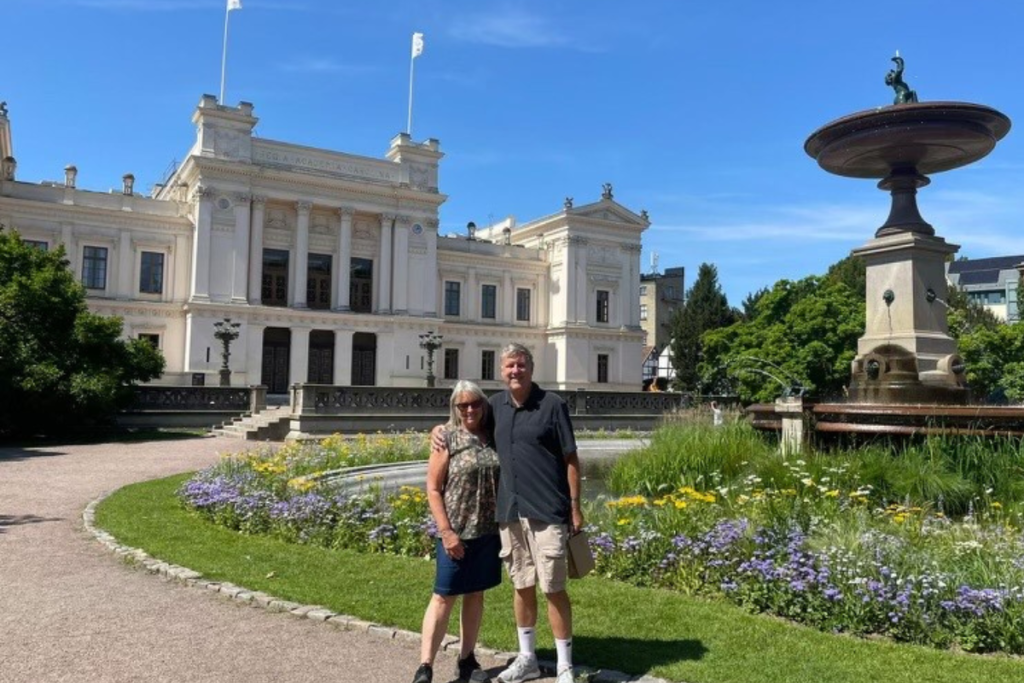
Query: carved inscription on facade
317, 163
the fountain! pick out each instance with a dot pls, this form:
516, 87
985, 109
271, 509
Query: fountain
907, 376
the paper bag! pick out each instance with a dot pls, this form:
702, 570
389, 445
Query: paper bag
581, 560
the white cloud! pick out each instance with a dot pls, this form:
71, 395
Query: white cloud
508, 27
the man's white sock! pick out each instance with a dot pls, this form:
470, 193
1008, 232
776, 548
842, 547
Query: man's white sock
527, 640
564, 650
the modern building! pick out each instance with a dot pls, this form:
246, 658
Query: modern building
333, 267
661, 295
991, 282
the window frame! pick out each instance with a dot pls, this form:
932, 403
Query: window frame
488, 304
143, 267
484, 375
524, 304
452, 298
603, 310
450, 365
603, 368
89, 273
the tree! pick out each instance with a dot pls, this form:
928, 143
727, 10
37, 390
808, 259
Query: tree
705, 308
61, 366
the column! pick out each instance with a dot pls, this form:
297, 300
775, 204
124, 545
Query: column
343, 357
472, 311
543, 302
401, 266
301, 259
343, 268
124, 265
180, 283
508, 298
240, 270
254, 353
634, 280
66, 232
298, 368
384, 292
256, 251
430, 301
569, 279
582, 288
627, 288
470, 364
200, 288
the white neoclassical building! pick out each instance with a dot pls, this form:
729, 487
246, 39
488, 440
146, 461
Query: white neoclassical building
333, 266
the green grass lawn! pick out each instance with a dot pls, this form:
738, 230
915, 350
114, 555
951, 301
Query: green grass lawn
635, 630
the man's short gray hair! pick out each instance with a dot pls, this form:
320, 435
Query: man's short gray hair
517, 349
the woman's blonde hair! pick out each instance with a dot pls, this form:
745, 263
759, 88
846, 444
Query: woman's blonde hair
464, 386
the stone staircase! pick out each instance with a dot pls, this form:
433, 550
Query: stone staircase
271, 424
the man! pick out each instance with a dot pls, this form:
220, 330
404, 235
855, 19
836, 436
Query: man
538, 507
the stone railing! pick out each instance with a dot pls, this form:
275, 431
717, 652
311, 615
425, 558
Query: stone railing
322, 399
199, 399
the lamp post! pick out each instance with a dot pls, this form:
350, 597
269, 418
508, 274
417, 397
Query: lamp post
430, 342
226, 332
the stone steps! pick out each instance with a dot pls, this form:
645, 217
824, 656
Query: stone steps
269, 425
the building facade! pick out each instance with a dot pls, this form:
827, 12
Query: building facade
991, 282
661, 295
332, 266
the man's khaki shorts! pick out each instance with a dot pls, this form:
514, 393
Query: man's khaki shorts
535, 553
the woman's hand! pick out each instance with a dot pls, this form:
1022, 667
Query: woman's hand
453, 546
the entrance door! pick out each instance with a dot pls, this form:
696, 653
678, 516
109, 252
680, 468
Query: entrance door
276, 347
364, 359
321, 357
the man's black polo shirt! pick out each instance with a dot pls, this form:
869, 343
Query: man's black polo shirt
532, 442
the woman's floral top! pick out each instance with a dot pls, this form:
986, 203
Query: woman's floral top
471, 490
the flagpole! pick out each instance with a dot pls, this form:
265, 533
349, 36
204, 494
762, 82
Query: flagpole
412, 62
224, 54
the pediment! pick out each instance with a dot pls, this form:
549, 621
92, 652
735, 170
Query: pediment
608, 210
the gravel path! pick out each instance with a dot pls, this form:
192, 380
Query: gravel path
70, 610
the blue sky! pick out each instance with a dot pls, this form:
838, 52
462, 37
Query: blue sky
696, 111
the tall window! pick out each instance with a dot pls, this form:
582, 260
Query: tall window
489, 302
602, 306
94, 267
451, 363
452, 294
274, 285
602, 368
487, 365
643, 311
643, 290
523, 305
318, 281
151, 273
360, 285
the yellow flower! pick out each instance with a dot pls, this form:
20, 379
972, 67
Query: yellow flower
680, 504
623, 521
834, 493
741, 499
996, 504
660, 502
788, 492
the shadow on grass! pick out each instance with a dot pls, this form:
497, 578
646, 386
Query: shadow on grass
631, 655
17, 520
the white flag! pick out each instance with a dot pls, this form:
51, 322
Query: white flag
417, 44
234, 4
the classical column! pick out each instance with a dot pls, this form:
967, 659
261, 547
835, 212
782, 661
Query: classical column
124, 266
254, 353
508, 298
384, 293
256, 251
582, 289
543, 301
472, 311
634, 279
301, 255
627, 289
343, 357
200, 289
470, 364
240, 271
401, 266
298, 369
430, 303
343, 260
569, 279
180, 290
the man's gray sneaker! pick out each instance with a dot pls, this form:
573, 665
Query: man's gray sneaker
523, 668
565, 676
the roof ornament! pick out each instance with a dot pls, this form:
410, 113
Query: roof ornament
606, 191
568, 203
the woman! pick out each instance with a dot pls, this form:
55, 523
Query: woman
462, 486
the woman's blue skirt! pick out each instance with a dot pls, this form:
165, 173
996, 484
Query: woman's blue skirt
478, 570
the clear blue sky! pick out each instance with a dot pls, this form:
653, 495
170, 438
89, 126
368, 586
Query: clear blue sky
696, 111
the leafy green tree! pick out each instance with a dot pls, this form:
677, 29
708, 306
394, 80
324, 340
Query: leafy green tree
851, 271
61, 366
705, 308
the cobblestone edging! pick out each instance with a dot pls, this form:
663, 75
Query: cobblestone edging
194, 579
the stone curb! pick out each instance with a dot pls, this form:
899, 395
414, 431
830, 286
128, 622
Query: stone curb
318, 613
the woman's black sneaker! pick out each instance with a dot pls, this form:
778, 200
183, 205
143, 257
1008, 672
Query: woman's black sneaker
470, 671
424, 674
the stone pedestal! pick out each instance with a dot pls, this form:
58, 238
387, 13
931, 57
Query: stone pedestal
795, 430
906, 354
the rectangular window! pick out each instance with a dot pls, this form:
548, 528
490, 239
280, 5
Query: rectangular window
153, 339
451, 363
523, 305
318, 281
452, 294
643, 311
643, 290
94, 267
487, 365
274, 285
602, 306
360, 285
489, 302
602, 368
37, 244
151, 273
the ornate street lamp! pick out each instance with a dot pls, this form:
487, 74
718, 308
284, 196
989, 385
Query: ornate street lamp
430, 342
226, 332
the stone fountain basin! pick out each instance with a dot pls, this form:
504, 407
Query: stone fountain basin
928, 137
